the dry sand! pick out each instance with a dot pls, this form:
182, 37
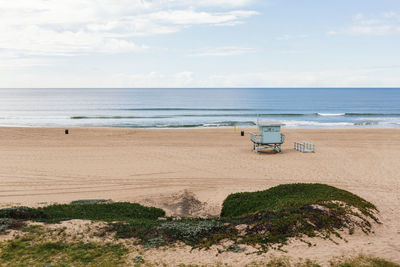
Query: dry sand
192, 171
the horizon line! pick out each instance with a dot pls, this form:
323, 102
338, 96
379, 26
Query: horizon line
342, 87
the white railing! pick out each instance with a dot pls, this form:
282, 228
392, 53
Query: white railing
304, 147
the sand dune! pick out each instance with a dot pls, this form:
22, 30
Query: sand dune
163, 167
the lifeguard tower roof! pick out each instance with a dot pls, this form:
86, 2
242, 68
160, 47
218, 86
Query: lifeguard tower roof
270, 123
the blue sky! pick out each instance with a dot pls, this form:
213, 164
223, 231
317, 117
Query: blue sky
209, 43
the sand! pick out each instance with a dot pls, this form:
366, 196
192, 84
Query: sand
191, 171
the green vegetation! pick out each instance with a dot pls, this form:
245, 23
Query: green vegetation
289, 197
359, 261
21, 213
193, 232
284, 262
293, 210
118, 211
364, 261
7, 224
32, 251
263, 219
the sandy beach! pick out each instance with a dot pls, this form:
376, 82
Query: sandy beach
39, 166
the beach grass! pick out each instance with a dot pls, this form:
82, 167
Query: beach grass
357, 261
362, 260
31, 250
35, 249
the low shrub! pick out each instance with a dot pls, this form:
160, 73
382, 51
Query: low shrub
21, 213
293, 210
117, 211
141, 229
8, 223
193, 232
289, 197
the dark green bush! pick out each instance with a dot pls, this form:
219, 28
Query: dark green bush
21, 213
293, 210
288, 197
142, 229
117, 211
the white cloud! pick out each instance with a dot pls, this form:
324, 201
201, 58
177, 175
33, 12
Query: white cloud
152, 79
374, 30
190, 17
387, 23
13, 63
294, 51
212, 3
62, 28
381, 76
117, 80
390, 14
284, 37
287, 37
358, 16
35, 40
365, 77
222, 51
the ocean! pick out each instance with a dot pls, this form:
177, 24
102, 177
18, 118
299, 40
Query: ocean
188, 107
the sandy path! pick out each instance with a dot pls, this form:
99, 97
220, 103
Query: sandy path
152, 166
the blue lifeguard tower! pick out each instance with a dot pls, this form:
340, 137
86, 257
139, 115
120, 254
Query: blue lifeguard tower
268, 136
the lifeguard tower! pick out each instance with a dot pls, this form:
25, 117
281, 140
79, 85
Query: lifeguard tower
268, 136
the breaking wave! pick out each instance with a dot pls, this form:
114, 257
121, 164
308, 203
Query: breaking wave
239, 115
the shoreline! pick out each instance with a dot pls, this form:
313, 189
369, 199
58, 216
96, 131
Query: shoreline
199, 127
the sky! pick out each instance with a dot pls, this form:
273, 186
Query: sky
199, 43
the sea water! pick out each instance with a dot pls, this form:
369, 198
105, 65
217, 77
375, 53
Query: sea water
188, 107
